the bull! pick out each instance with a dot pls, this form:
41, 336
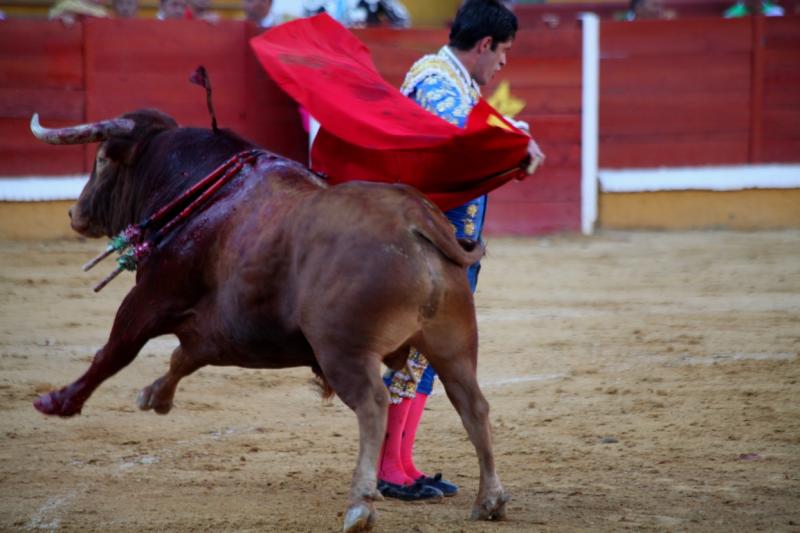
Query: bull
281, 270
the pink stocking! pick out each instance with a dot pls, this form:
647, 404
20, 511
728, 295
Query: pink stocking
410, 435
391, 464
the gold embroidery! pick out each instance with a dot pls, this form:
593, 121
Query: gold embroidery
404, 385
472, 210
469, 227
436, 64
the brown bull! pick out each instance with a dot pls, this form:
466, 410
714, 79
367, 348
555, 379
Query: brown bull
282, 271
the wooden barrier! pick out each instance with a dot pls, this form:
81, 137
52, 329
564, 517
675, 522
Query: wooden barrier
700, 92
41, 69
102, 68
776, 127
673, 93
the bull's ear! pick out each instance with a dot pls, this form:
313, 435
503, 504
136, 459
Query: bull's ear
121, 151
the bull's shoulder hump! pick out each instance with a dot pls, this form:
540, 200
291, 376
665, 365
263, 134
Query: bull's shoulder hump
287, 171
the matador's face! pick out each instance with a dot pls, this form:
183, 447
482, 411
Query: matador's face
490, 61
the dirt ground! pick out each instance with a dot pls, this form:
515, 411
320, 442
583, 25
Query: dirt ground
638, 381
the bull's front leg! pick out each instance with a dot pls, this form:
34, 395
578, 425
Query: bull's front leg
135, 323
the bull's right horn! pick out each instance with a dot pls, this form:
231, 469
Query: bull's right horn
83, 133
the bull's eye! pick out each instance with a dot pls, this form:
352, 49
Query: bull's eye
101, 162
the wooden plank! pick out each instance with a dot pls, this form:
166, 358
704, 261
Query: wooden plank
782, 33
781, 124
421, 40
39, 54
531, 218
669, 38
540, 73
556, 128
561, 156
155, 59
546, 100
551, 184
757, 89
51, 104
781, 151
665, 113
167, 46
632, 152
778, 97
676, 73
782, 67
782, 58
170, 92
564, 43
22, 154
42, 161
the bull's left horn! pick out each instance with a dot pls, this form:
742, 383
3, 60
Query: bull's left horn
83, 133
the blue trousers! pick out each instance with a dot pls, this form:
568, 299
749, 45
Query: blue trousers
468, 221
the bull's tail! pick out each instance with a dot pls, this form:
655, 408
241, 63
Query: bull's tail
437, 231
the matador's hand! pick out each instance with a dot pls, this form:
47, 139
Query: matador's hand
536, 157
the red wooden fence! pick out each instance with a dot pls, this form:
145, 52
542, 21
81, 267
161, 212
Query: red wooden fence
699, 92
41, 69
103, 68
673, 93
777, 111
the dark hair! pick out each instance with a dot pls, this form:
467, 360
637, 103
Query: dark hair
477, 19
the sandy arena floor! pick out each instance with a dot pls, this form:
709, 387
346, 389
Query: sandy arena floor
638, 381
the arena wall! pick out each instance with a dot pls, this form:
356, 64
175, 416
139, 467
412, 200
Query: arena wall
700, 106
689, 93
102, 68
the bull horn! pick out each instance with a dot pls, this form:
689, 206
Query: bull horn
83, 133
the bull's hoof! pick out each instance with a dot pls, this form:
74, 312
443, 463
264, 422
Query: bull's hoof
148, 399
359, 517
493, 509
53, 403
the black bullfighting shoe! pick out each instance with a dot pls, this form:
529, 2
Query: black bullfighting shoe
447, 488
415, 492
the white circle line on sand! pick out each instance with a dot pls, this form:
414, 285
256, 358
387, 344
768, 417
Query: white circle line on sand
521, 379
48, 516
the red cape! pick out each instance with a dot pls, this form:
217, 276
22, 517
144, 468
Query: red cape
371, 132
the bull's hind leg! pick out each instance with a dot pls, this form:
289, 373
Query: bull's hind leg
458, 375
136, 322
357, 382
158, 395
